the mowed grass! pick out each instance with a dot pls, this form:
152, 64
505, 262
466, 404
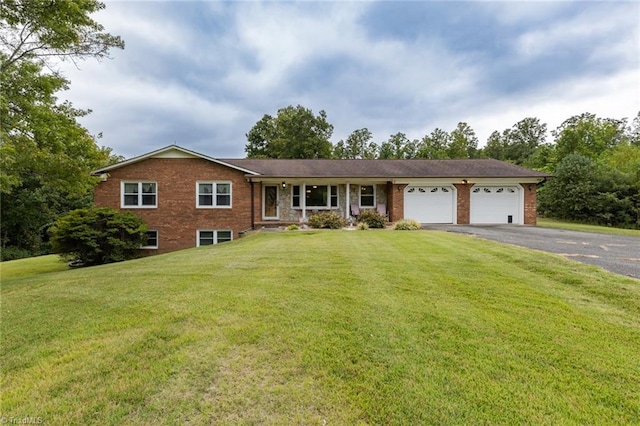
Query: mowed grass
32, 266
553, 223
325, 327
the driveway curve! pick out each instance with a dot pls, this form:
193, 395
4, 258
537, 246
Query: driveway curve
615, 253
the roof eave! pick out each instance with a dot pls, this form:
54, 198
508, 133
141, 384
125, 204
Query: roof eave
152, 154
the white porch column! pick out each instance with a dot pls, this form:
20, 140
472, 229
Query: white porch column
347, 210
303, 201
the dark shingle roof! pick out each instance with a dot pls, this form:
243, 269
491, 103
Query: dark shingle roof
475, 168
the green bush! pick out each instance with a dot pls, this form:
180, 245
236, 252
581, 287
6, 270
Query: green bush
98, 235
407, 225
327, 220
372, 218
292, 227
362, 226
13, 253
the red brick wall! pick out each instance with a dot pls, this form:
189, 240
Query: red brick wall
395, 198
463, 215
257, 201
530, 209
176, 218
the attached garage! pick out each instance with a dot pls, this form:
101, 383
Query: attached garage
496, 204
429, 204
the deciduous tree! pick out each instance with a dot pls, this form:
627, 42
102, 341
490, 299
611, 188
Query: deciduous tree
294, 133
434, 146
45, 155
464, 143
588, 135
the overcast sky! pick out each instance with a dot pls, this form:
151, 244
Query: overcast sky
201, 74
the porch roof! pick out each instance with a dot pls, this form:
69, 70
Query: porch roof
320, 168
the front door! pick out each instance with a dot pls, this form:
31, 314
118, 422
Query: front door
270, 202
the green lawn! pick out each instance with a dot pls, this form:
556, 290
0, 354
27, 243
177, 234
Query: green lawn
325, 327
32, 266
552, 223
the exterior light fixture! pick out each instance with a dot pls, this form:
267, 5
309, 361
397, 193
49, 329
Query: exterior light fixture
465, 181
284, 184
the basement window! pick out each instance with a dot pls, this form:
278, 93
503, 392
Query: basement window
213, 236
152, 240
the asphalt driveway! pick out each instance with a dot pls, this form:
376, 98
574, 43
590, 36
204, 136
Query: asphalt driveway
619, 254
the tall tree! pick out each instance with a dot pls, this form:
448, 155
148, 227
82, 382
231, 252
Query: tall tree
524, 138
588, 135
517, 144
496, 146
41, 30
358, 144
294, 133
45, 155
398, 147
634, 131
464, 143
434, 146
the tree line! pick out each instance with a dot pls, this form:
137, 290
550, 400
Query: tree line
596, 161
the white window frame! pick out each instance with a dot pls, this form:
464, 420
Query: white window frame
215, 236
330, 196
214, 194
140, 194
147, 247
373, 206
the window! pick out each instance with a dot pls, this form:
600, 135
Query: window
152, 240
213, 194
323, 196
209, 237
295, 197
367, 196
139, 194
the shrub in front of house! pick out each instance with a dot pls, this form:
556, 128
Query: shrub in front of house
98, 235
327, 220
407, 225
362, 226
292, 227
372, 218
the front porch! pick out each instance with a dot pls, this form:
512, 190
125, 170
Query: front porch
294, 202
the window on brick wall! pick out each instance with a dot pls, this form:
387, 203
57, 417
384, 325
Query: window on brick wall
152, 240
208, 237
213, 194
139, 194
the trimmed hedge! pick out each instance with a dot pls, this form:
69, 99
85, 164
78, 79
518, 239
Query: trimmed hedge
372, 218
327, 220
407, 225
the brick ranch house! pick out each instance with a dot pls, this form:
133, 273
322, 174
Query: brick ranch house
189, 199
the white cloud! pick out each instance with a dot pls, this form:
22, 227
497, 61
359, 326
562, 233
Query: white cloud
615, 96
587, 30
205, 86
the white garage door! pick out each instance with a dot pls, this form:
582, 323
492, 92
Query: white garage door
495, 204
429, 204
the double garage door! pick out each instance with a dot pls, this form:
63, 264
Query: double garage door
437, 204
